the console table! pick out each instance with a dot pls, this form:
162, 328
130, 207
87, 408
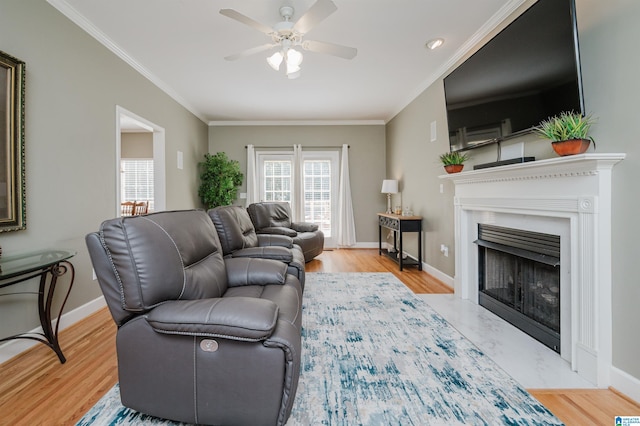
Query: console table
48, 265
400, 224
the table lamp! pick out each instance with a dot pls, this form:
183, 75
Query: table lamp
389, 186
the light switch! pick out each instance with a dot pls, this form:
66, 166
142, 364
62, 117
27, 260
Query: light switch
434, 134
180, 160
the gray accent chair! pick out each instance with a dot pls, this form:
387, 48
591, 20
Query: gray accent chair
239, 239
201, 339
275, 218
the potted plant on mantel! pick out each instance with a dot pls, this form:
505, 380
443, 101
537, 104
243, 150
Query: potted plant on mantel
568, 132
453, 162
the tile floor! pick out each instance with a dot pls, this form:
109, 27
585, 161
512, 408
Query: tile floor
531, 363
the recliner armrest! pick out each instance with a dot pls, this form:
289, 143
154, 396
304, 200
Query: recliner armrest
251, 271
276, 253
279, 230
234, 318
304, 227
269, 240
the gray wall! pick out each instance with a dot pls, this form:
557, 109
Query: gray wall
366, 160
609, 33
73, 85
136, 145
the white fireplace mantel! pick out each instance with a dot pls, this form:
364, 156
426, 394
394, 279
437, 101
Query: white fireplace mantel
567, 196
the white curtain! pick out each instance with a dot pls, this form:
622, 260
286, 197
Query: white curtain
346, 236
297, 196
253, 194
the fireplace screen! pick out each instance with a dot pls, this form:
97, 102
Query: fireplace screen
520, 280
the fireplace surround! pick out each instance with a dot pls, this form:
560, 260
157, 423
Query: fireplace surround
569, 197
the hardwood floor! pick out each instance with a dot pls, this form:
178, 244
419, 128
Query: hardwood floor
35, 389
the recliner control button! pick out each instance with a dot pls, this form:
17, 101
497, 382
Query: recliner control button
209, 345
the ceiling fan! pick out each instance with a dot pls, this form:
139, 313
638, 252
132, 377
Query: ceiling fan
287, 35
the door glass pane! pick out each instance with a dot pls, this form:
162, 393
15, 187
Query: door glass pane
277, 180
317, 194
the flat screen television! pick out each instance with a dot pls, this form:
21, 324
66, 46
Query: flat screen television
525, 74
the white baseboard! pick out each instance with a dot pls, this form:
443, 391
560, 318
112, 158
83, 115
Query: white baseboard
14, 347
438, 274
625, 383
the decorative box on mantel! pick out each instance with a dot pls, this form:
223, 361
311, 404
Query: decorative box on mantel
566, 196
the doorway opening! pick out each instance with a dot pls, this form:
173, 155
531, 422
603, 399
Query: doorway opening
141, 145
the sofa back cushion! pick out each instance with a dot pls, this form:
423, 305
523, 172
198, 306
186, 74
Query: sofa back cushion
164, 256
234, 227
270, 215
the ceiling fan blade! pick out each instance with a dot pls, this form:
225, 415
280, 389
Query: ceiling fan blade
330, 49
316, 13
249, 52
230, 13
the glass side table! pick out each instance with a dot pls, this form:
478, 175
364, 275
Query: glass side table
48, 265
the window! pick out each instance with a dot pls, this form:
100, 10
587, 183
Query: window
317, 194
136, 180
277, 180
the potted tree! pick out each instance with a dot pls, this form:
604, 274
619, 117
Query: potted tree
220, 178
568, 132
453, 162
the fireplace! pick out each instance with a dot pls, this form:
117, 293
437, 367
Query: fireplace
519, 280
566, 196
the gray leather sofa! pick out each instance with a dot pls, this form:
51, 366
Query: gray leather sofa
200, 339
275, 218
239, 239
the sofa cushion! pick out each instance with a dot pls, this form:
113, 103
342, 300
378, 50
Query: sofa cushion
234, 227
164, 256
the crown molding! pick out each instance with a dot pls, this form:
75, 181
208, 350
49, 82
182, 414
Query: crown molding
300, 123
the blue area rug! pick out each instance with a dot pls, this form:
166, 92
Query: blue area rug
376, 354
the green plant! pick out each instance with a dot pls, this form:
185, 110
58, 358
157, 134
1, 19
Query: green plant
451, 158
220, 178
566, 126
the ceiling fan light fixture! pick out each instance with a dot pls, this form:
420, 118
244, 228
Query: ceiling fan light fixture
275, 60
293, 75
294, 58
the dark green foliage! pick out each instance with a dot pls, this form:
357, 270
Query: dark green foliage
220, 178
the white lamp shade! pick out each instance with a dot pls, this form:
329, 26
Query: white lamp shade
389, 186
275, 60
294, 58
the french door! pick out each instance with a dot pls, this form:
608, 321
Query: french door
320, 173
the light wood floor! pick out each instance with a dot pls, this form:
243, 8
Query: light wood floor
35, 389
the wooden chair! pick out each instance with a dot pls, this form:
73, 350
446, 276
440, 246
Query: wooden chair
141, 207
127, 208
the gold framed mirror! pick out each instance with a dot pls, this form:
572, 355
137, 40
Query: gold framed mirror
12, 185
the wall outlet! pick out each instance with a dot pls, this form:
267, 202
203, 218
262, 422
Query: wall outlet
243, 195
442, 188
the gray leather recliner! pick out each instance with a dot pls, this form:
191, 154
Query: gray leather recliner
200, 339
239, 239
275, 218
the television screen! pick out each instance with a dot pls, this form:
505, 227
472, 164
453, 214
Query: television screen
525, 74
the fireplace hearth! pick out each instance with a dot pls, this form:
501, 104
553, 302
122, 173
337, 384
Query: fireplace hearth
519, 280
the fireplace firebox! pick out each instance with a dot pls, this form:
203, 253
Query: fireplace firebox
519, 280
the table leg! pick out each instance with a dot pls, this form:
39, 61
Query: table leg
400, 252
44, 304
379, 240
